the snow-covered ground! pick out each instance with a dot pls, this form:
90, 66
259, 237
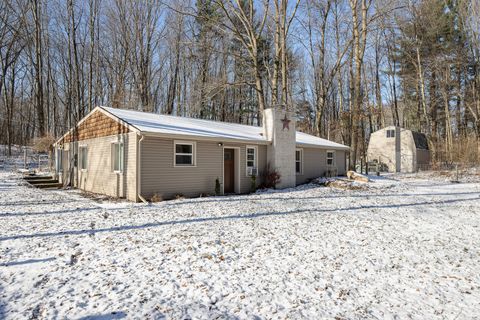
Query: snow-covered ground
408, 247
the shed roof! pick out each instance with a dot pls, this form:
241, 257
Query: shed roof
420, 140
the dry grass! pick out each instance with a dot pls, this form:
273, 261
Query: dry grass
157, 197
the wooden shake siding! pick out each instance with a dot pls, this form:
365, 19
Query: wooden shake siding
96, 125
159, 176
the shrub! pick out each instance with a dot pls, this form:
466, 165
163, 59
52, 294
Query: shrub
179, 196
217, 187
156, 198
253, 183
43, 144
270, 177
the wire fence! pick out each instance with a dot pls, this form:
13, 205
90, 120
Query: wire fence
24, 159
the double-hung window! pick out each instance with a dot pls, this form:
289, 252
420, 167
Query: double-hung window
184, 154
330, 158
117, 157
251, 160
299, 161
83, 155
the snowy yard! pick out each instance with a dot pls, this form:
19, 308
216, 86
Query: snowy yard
408, 247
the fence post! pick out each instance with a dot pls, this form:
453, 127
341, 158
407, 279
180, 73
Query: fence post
24, 157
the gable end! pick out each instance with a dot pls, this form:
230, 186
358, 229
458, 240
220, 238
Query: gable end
95, 125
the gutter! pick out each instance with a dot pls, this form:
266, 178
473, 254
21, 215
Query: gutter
139, 175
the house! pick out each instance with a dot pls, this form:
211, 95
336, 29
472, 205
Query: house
398, 149
135, 155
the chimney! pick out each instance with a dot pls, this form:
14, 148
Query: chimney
279, 129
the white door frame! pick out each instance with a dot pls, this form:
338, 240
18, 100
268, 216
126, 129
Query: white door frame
236, 168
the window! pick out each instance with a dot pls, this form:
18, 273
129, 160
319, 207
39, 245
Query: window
330, 158
82, 150
59, 158
390, 133
117, 157
251, 161
299, 161
184, 154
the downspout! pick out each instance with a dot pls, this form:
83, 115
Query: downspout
139, 175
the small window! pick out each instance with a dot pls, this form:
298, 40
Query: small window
83, 157
330, 158
184, 154
298, 161
390, 133
251, 161
117, 157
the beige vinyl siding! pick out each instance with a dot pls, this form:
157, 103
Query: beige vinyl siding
315, 164
160, 176
246, 181
99, 177
341, 162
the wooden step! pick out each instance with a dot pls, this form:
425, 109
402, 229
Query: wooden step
49, 185
42, 181
33, 178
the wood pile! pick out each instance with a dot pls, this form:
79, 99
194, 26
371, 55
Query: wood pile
352, 175
344, 185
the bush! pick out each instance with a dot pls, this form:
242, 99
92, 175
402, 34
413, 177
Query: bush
179, 196
43, 144
253, 183
156, 198
270, 178
217, 187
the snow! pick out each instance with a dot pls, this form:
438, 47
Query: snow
172, 125
306, 140
405, 247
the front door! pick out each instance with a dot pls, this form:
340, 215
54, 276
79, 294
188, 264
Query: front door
229, 170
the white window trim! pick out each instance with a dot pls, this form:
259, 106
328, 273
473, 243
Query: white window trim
112, 150
301, 161
255, 159
194, 154
59, 160
392, 136
333, 159
80, 159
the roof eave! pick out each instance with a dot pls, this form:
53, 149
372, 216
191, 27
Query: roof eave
202, 138
308, 145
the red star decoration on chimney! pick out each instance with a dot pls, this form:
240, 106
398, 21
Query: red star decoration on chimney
286, 123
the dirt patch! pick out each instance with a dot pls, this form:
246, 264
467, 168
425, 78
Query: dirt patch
342, 184
97, 197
